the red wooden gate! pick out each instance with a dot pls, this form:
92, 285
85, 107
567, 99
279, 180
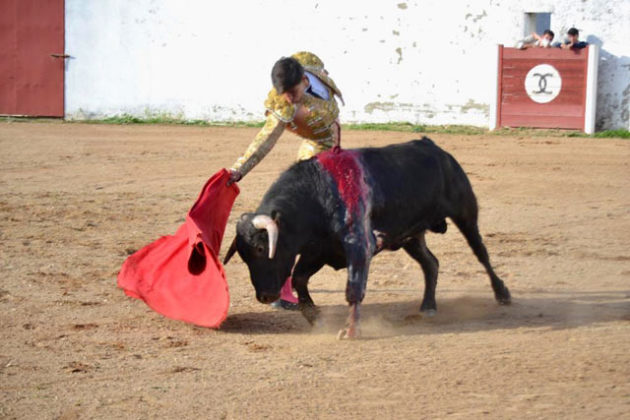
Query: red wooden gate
32, 57
546, 88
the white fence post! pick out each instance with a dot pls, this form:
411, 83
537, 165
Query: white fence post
591, 89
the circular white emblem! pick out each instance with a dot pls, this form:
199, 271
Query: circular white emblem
543, 83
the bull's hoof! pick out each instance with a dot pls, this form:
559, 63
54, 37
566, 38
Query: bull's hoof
504, 301
310, 312
429, 313
348, 334
504, 297
428, 308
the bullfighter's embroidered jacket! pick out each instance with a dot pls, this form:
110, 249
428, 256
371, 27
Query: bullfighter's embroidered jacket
314, 119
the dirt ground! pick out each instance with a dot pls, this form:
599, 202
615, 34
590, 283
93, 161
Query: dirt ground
76, 199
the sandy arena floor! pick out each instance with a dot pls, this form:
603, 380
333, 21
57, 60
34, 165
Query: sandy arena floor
75, 199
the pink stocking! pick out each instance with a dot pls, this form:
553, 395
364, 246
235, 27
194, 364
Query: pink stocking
286, 293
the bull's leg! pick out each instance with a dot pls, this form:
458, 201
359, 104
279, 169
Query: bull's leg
352, 330
302, 272
358, 266
417, 249
470, 230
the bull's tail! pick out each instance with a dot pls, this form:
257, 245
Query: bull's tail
461, 198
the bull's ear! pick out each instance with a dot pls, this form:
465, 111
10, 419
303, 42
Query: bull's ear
242, 220
276, 216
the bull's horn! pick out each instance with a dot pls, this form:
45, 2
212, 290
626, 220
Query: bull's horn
231, 251
262, 221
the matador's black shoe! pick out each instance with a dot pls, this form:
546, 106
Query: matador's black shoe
286, 305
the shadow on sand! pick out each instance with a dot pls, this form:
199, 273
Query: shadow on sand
556, 310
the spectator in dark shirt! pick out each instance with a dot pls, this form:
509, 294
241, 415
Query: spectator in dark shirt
573, 41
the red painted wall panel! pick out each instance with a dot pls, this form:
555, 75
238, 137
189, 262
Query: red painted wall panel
543, 121
516, 108
543, 54
31, 80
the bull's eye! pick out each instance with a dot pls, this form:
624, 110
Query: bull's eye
260, 249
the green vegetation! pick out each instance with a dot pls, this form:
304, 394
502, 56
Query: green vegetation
412, 128
166, 119
390, 126
471, 130
624, 134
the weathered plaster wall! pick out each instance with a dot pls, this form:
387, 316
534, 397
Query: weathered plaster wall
426, 62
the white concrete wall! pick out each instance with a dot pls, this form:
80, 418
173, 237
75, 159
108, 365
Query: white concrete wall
426, 62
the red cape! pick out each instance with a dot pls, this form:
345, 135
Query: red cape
180, 276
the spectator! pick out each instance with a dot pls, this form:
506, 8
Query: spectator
537, 41
545, 40
573, 41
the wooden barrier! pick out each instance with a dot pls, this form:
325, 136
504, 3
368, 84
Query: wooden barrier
546, 88
32, 58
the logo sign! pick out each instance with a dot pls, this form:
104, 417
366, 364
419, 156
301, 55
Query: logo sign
543, 83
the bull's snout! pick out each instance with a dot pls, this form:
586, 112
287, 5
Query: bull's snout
266, 298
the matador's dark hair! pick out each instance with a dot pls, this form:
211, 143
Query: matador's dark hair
286, 73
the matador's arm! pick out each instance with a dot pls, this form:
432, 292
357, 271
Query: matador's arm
260, 146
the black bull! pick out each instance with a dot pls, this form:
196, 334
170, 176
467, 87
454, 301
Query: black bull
342, 209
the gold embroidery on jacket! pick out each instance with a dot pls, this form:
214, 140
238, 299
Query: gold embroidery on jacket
312, 119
